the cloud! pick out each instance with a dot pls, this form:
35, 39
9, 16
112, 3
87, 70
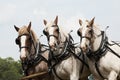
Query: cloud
71, 23
7, 11
39, 12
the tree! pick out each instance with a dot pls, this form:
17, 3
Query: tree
10, 69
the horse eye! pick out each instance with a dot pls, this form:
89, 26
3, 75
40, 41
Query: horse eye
17, 41
79, 34
44, 32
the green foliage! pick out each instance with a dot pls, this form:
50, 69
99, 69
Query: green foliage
10, 69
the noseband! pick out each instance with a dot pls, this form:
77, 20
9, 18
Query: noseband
52, 36
18, 41
26, 62
48, 36
86, 37
90, 39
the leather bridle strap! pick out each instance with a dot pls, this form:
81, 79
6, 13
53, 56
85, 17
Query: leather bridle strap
24, 47
52, 36
86, 37
21, 36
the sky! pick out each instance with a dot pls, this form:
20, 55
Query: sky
21, 12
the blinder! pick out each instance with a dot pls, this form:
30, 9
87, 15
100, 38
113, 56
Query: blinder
90, 32
45, 33
79, 34
17, 41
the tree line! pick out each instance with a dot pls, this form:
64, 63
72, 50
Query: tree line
10, 69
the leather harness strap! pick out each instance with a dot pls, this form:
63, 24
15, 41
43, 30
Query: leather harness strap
104, 47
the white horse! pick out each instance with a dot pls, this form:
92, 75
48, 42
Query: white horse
103, 54
64, 65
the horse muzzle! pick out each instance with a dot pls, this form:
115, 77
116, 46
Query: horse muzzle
84, 48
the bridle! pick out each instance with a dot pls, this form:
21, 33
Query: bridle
91, 32
18, 41
67, 49
52, 35
89, 38
25, 64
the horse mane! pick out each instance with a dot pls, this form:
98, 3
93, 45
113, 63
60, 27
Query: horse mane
96, 26
62, 30
63, 33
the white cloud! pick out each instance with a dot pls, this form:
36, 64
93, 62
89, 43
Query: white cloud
7, 11
39, 12
71, 23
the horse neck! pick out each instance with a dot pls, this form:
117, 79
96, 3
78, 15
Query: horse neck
97, 40
34, 43
63, 36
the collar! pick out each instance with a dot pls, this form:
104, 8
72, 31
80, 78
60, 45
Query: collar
102, 49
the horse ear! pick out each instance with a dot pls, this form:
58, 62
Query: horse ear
45, 22
29, 26
80, 22
92, 22
56, 20
16, 28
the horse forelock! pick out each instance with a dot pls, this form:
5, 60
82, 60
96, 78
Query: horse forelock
23, 30
50, 24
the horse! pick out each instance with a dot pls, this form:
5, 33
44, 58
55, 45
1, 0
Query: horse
33, 54
62, 61
103, 54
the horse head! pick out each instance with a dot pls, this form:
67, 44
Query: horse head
86, 32
52, 33
25, 41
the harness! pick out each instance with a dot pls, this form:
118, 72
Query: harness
35, 61
69, 49
27, 64
56, 59
104, 47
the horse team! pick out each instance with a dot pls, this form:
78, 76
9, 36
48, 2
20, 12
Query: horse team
61, 59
